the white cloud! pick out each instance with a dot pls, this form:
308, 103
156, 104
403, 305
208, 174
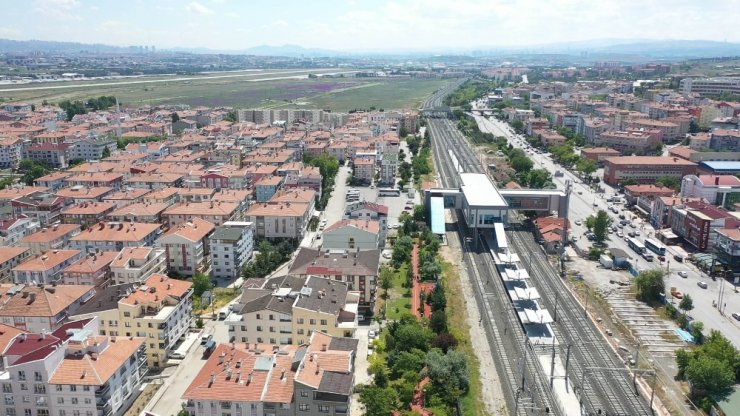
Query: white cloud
195, 7
232, 14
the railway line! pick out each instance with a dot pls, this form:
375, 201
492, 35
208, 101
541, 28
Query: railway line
525, 384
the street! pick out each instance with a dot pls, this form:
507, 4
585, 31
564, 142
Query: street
584, 202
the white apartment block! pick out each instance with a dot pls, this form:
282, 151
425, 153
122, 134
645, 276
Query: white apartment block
232, 245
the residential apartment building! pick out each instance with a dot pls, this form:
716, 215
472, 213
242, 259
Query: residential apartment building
389, 168
86, 213
697, 223
725, 140
158, 310
45, 269
10, 257
139, 212
599, 154
628, 142
71, 371
53, 238
311, 379
720, 190
279, 220
266, 187
358, 268
53, 155
186, 247
369, 211
93, 269
114, 236
727, 248
10, 152
91, 148
12, 230
352, 235
364, 170
215, 212
41, 308
232, 245
136, 264
43, 207
645, 169
287, 309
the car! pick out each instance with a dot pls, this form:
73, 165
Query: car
468, 239
387, 254
637, 232
372, 334
620, 225
318, 236
407, 208
677, 295
632, 225
683, 274
578, 222
372, 186
736, 315
620, 234
661, 258
595, 204
205, 338
176, 355
631, 234
702, 285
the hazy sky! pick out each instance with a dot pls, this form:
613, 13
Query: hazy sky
364, 25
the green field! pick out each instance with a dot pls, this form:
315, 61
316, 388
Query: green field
339, 94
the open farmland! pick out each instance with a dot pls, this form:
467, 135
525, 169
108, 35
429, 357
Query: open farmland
253, 89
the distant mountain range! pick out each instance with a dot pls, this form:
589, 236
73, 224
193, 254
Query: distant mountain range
645, 48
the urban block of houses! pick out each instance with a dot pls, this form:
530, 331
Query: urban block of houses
114, 236
136, 264
186, 247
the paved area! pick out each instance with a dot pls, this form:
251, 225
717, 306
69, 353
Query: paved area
362, 376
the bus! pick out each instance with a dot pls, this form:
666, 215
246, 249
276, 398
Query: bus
389, 192
655, 246
636, 245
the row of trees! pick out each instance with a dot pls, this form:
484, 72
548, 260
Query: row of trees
268, 259
32, 170
122, 142
329, 167
72, 108
469, 90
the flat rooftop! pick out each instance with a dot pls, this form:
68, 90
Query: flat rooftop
479, 191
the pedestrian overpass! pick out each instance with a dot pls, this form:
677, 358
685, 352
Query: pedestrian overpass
483, 205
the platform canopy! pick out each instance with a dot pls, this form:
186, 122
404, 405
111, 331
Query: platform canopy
438, 215
539, 316
519, 293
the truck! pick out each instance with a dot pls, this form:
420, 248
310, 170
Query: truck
606, 261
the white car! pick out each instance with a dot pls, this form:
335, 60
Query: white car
683, 274
578, 222
387, 254
372, 334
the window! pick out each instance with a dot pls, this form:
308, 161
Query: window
303, 407
300, 321
22, 375
42, 412
323, 322
272, 329
88, 400
74, 400
323, 408
258, 316
60, 400
312, 321
259, 328
272, 317
300, 331
23, 386
127, 314
36, 376
7, 388
27, 412
72, 387
59, 387
87, 388
10, 411
304, 393
39, 388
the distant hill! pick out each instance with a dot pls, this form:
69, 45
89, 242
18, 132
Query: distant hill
22, 46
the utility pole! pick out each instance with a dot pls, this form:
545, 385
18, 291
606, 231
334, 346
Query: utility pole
552, 366
637, 364
567, 363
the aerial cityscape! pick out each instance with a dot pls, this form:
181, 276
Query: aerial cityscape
402, 207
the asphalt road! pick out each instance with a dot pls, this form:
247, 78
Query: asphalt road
582, 205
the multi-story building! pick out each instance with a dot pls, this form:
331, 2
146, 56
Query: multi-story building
599, 154
697, 223
352, 235
10, 152
364, 169
727, 248
186, 247
139, 212
45, 269
645, 169
159, 309
71, 371
388, 168
359, 268
54, 181
13, 229
671, 131
136, 264
111, 180
41, 206
154, 180
126, 197
91, 148
54, 155
628, 142
725, 140
263, 379
662, 210
215, 212
41, 308
279, 220
232, 245
80, 194
266, 187
93, 269
720, 190
46, 239
369, 211
11, 257
114, 236
287, 309
86, 213
710, 86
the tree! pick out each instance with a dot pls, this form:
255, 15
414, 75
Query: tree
32, 170
379, 401
386, 280
406, 362
420, 213
175, 117
601, 224
106, 152
402, 251
231, 116
201, 283
521, 163
438, 299
669, 182
517, 125
650, 285
411, 336
438, 321
586, 166
710, 375
686, 304
449, 373
403, 132
538, 178
444, 342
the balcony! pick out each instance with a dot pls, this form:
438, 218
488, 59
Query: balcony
103, 391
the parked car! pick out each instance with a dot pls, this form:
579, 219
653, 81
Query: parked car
372, 334
736, 315
702, 285
205, 338
578, 222
683, 274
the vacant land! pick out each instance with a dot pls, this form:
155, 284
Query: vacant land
268, 89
